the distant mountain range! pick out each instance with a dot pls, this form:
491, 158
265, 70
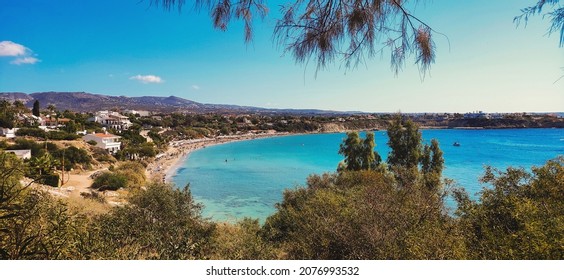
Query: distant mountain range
89, 102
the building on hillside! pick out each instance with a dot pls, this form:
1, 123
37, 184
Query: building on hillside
477, 115
21, 154
29, 120
112, 120
8, 132
106, 141
141, 113
53, 122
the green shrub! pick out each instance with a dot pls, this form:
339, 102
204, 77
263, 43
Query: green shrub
109, 181
102, 155
73, 156
166, 223
134, 172
50, 180
93, 195
61, 135
31, 131
3, 144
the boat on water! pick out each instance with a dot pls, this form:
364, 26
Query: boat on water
456, 144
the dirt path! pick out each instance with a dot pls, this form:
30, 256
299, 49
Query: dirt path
81, 182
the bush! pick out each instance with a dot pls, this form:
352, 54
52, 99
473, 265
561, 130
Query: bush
31, 131
24, 144
102, 155
73, 157
134, 172
109, 181
92, 142
160, 222
520, 217
362, 215
61, 135
3, 144
242, 241
50, 180
93, 195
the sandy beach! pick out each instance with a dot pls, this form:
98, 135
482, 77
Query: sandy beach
166, 164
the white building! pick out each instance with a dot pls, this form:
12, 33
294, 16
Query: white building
477, 115
106, 141
21, 154
111, 119
141, 113
8, 132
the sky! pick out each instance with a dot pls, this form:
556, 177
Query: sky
129, 48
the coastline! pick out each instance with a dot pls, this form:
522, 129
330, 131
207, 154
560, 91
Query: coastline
166, 164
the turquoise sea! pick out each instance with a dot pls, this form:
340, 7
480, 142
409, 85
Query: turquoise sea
247, 178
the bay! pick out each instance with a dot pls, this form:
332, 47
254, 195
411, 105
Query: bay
247, 178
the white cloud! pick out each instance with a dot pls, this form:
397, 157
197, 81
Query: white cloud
9, 48
24, 60
196, 87
22, 54
146, 79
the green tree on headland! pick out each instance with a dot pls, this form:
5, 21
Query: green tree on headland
359, 153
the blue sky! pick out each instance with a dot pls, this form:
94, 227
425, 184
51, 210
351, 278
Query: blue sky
128, 48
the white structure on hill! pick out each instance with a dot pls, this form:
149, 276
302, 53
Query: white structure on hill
8, 132
111, 119
21, 154
141, 113
106, 141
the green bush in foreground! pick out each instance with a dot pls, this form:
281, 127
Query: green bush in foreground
520, 217
160, 222
363, 215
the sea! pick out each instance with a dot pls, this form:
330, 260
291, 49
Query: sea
247, 178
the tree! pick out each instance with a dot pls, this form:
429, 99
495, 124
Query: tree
432, 164
33, 225
42, 165
51, 108
519, 216
71, 127
432, 158
405, 143
19, 107
556, 16
359, 154
7, 114
36, 108
325, 31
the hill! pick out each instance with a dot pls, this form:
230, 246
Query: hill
89, 102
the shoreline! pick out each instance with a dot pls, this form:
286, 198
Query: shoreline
166, 165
